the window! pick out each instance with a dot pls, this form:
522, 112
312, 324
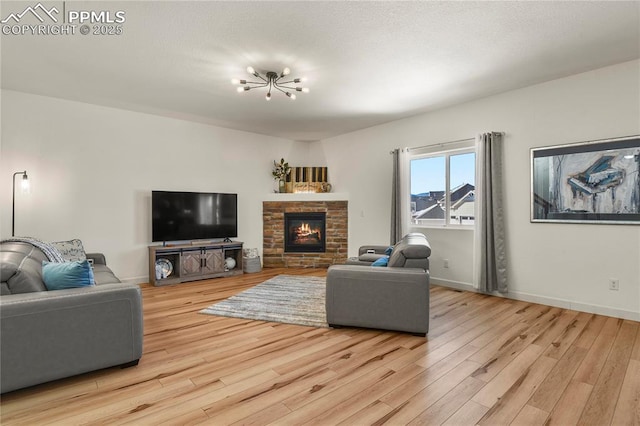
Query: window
443, 187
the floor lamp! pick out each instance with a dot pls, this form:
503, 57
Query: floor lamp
25, 189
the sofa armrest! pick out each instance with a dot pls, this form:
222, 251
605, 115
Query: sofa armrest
368, 254
386, 298
372, 249
98, 258
54, 334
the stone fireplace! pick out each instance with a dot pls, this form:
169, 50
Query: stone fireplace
307, 223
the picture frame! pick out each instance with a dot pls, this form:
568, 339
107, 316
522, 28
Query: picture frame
594, 182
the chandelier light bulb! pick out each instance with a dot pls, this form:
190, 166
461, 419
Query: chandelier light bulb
271, 80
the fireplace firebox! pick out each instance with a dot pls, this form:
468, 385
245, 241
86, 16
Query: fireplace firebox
304, 232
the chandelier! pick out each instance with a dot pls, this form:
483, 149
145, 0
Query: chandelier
271, 80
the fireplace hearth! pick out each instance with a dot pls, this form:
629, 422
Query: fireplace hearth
305, 232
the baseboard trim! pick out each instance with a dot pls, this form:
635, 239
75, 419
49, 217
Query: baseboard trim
135, 280
544, 300
576, 306
458, 285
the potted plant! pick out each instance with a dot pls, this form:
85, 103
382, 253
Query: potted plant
280, 172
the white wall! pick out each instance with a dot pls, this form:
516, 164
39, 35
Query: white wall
92, 170
561, 264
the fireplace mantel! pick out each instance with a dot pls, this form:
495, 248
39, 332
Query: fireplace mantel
302, 196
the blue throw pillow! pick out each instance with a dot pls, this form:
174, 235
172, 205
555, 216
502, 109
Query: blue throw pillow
58, 276
383, 261
388, 251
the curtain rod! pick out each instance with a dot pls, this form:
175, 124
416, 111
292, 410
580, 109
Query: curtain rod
446, 143
439, 144
442, 143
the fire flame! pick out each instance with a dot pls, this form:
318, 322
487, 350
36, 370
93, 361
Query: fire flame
305, 228
305, 231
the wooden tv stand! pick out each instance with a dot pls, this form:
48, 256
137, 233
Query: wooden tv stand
197, 261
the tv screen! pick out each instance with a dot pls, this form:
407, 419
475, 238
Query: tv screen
178, 216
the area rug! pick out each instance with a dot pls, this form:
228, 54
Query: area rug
290, 299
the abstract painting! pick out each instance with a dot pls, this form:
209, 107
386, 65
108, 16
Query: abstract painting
588, 182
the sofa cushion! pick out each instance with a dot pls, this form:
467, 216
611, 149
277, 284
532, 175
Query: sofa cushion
21, 268
58, 276
71, 250
103, 274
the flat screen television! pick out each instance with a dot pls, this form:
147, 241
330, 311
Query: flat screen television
179, 216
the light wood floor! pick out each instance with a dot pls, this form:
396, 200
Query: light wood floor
486, 360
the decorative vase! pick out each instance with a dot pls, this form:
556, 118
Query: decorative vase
281, 188
326, 187
230, 263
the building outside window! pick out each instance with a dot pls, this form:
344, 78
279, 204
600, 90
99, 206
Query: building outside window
443, 186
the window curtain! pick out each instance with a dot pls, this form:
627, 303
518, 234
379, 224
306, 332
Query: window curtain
491, 264
400, 194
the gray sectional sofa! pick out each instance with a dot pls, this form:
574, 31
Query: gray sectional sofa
48, 335
395, 297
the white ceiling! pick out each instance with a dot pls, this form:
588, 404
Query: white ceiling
366, 62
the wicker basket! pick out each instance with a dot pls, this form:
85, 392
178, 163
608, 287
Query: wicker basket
251, 265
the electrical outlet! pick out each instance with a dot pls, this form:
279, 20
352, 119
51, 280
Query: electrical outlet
446, 263
614, 284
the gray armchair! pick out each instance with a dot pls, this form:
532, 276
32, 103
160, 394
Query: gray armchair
395, 297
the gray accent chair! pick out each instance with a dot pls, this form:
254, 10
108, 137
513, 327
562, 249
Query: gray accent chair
395, 297
49, 335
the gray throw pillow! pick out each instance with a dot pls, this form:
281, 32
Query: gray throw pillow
71, 251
